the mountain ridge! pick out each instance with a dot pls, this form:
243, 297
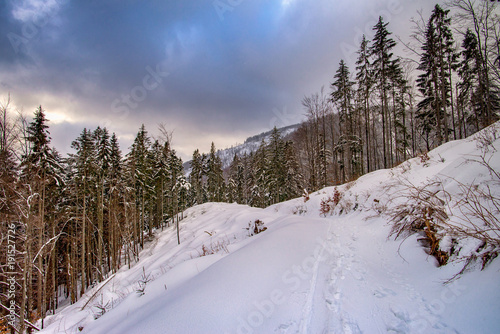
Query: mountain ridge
251, 144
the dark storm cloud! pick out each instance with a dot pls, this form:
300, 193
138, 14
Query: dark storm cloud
220, 69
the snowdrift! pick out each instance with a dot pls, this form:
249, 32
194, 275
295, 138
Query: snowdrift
335, 262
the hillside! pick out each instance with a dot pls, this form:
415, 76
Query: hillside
327, 264
250, 145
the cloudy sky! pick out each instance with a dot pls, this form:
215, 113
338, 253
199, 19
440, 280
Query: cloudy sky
208, 70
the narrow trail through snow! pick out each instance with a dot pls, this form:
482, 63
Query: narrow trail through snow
350, 293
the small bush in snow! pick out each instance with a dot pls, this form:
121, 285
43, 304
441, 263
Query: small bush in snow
101, 309
256, 228
143, 281
422, 212
424, 159
305, 195
328, 204
486, 138
405, 167
299, 210
214, 248
479, 218
478, 215
465, 225
205, 251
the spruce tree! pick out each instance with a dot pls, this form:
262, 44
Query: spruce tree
399, 133
342, 97
103, 157
83, 187
215, 178
473, 88
116, 202
382, 55
158, 165
434, 83
483, 20
364, 78
196, 177
41, 176
275, 169
259, 191
179, 188
140, 168
236, 181
293, 182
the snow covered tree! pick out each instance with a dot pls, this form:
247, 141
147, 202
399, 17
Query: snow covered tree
83, 181
12, 207
215, 178
383, 59
41, 177
364, 78
483, 22
196, 178
349, 145
159, 175
275, 169
103, 157
178, 187
259, 193
139, 165
434, 83
293, 180
399, 134
236, 181
116, 203
473, 88
314, 137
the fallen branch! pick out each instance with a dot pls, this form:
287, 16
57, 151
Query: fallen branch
95, 293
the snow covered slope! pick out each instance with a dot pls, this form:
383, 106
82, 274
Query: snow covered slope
250, 145
310, 272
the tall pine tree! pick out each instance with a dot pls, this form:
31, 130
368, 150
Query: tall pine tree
381, 52
434, 83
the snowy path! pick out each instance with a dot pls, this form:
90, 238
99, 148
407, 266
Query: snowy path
323, 312
359, 286
303, 275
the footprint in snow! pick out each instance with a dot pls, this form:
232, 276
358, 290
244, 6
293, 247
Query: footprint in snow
291, 327
382, 292
358, 275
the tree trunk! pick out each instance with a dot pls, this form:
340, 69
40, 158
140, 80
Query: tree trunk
84, 244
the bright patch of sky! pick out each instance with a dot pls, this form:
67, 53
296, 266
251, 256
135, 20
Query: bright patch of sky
32, 10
